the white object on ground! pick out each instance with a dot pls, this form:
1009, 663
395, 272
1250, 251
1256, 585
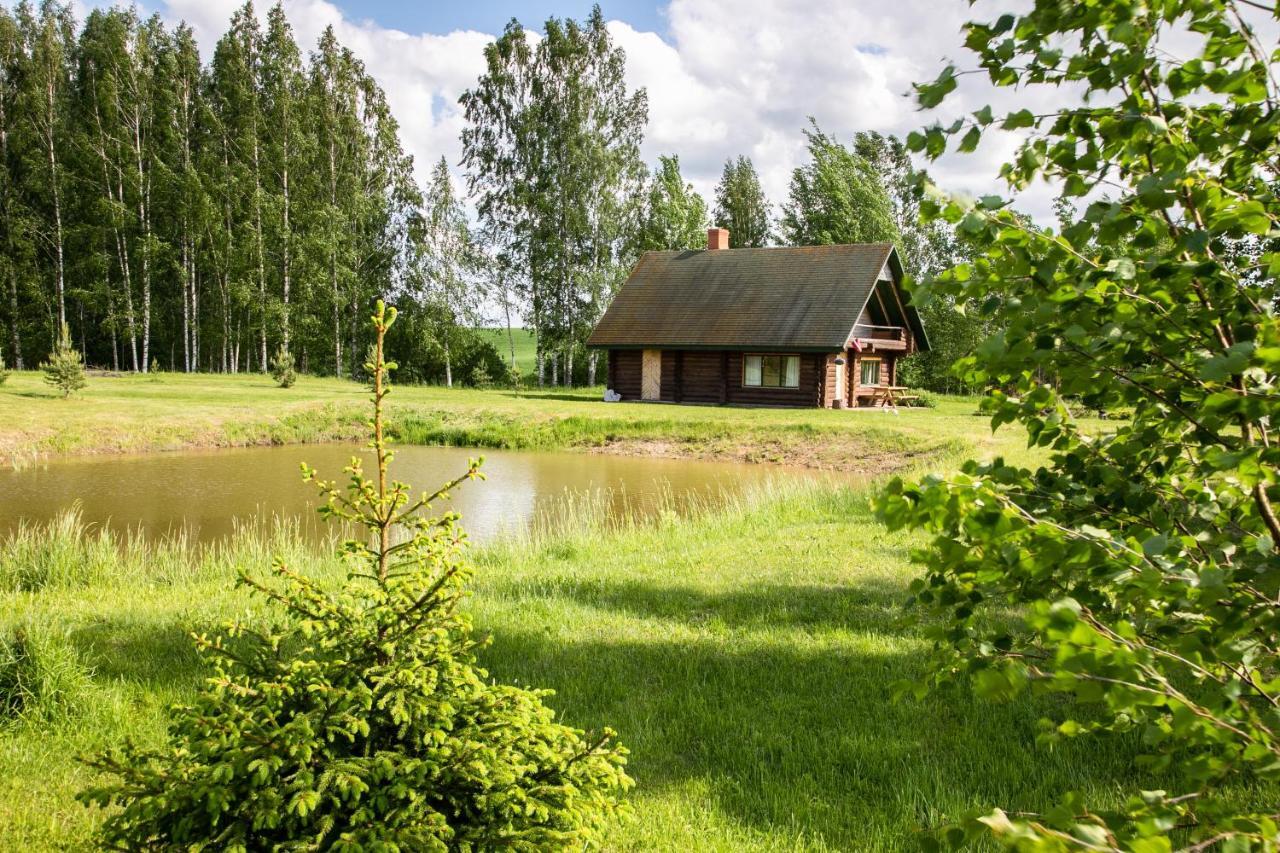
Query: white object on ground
612, 396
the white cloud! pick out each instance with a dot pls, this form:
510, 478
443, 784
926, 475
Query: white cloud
732, 79
744, 79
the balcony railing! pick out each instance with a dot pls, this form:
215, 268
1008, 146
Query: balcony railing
880, 333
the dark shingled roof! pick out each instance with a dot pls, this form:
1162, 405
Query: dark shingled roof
798, 298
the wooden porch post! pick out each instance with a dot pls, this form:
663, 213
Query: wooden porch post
821, 362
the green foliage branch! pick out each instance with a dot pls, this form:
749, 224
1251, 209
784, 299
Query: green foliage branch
741, 205
362, 721
672, 215
1141, 561
839, 196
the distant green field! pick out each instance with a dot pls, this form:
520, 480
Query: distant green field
526, 346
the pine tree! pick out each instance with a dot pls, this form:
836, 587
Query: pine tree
282, 368
741, 206
363, 721
65, 368
17, 258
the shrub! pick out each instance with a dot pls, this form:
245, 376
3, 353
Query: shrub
363, 721
923, 398
65, 368
282, 370
4, 371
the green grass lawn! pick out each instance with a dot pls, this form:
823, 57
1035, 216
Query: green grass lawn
526, 346
747, 656
747, 659
171, 411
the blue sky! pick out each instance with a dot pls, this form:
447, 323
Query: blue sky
490, 16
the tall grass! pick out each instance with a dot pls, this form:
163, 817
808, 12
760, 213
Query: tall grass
66, 554
596, 515
41, 676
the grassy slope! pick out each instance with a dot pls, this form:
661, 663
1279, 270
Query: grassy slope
526, 346
170, 411
755, 694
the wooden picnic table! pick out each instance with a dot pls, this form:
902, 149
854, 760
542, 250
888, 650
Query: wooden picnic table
890, 395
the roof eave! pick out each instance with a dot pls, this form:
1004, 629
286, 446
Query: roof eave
761, 347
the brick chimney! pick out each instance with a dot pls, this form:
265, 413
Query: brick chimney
717, 238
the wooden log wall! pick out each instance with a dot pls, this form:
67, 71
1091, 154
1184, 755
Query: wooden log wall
714, 376
625, 372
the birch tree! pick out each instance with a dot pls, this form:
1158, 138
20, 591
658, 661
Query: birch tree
332, 98
449, 260
282, 89
552, 152
188, 196
837, 197
48, 36
238, 107
191, 215
673, 215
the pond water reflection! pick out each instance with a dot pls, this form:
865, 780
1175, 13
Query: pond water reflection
206, 491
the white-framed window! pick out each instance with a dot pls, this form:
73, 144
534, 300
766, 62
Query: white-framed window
771, 371
869, 372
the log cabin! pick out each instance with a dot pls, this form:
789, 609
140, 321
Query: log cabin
780, 326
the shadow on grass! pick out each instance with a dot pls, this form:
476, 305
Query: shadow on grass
780, 718
149, 654
798, 730
874, 605
552, 395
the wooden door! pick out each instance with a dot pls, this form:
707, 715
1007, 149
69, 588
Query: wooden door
651, 375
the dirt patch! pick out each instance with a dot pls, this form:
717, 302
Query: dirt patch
830, 454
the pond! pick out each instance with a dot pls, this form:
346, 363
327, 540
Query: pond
206, 492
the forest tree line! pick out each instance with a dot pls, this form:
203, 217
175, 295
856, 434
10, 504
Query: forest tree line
193, 215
